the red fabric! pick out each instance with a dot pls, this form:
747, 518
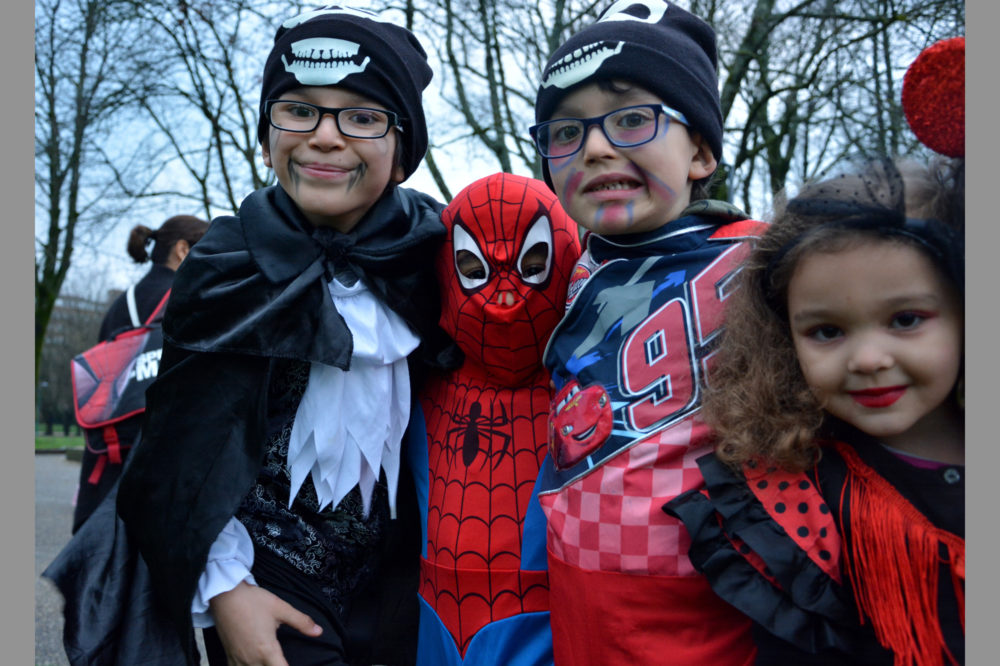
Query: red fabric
113, 454
100, 376
796, 504
487, 421
613, 618
611, 518
95, 474
893, 560
498, 212
579, 423
97, 376
740, 229
114, 446
483, 466
467, 599
157, 312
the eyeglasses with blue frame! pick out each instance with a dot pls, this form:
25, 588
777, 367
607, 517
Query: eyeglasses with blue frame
624, 128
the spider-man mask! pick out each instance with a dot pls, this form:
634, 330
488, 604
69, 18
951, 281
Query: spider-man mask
504, 270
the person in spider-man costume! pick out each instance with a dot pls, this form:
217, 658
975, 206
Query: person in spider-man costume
504, 271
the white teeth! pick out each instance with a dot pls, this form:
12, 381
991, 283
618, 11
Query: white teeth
611, 186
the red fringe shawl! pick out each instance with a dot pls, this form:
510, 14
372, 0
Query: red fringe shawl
892, 559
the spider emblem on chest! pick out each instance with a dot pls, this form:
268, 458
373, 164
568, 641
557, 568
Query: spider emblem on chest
474, 431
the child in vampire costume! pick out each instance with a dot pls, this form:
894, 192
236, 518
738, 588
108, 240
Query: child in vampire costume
271, 449
503, 271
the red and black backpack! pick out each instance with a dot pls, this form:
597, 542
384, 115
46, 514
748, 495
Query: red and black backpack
110, 381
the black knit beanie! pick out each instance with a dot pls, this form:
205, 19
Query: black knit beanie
650, 43
354, 49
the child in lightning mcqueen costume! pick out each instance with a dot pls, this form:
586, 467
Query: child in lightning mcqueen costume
629, 123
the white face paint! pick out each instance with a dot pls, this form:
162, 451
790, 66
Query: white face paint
323, 61
584, 62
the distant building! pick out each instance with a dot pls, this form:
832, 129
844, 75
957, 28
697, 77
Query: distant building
73, 313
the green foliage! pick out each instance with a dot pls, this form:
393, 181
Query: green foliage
58, 442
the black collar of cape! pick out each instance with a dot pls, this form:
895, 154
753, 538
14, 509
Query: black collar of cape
256, 282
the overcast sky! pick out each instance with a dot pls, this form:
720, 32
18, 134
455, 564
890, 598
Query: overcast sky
102, 263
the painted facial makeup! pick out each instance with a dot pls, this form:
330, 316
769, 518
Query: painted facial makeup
333, 179
613, 190
878, 335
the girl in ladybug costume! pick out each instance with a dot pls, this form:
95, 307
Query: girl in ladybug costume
833, 514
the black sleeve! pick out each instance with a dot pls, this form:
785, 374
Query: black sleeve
149, 291
201, 449
115, 319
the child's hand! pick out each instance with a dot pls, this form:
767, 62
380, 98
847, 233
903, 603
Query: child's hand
247, 618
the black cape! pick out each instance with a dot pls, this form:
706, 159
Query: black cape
251, 291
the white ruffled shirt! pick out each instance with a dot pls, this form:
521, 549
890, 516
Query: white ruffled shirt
348, 426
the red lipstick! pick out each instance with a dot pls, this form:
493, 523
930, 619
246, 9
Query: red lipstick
878, 397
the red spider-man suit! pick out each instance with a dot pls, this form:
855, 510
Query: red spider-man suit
504, 270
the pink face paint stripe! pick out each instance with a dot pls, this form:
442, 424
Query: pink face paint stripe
658, 185
574, 182
557, 165
616, 211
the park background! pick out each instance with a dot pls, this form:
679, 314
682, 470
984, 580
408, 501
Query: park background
146, 109
132, 148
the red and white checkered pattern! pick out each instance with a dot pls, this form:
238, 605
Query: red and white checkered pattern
612, 518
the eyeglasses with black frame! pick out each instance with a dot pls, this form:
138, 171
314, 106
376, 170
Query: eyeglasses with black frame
357, 122
624, 128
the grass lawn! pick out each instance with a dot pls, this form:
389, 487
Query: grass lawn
47, 443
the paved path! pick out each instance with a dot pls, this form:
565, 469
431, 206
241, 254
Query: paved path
55, 482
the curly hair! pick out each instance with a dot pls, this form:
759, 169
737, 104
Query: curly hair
756, 398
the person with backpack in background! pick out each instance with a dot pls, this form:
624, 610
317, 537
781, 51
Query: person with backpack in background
102, 460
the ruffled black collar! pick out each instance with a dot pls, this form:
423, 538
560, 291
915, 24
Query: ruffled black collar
256, 282
283, 243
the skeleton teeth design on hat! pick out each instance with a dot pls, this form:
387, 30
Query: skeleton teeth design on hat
580, 64
324, 61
